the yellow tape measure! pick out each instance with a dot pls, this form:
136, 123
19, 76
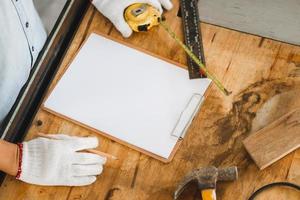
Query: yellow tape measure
142, 17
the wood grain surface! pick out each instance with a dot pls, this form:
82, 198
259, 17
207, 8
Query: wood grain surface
276, 140
264, 76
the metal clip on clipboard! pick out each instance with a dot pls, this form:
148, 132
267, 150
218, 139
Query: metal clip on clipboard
187, 116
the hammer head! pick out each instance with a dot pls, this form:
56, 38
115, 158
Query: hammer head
206, 178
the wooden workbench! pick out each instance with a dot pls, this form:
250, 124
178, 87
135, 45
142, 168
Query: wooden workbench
263, 75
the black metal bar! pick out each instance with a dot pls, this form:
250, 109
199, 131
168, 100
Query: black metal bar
192, 35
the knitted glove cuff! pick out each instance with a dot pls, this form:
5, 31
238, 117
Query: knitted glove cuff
20, 147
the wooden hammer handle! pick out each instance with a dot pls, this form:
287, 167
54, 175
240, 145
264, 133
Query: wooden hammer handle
209, 194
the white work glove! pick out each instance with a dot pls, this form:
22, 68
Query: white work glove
114, 11
56, 161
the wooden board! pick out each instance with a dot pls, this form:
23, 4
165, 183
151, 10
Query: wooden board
256, 69
275, 140
277, 19
294, 172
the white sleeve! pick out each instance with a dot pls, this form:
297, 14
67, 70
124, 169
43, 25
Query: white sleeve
19, 34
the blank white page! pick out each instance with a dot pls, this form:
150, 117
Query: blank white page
125, 93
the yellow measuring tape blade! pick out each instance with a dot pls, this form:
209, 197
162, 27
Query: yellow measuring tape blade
195, 58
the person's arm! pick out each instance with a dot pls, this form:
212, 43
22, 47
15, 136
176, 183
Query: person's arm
9, 158
57, 161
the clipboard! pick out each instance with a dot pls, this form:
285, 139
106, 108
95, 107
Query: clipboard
57, 101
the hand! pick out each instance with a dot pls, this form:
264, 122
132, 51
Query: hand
56, 161
114, 9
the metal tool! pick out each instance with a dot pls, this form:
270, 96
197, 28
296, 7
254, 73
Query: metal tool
192, 34
206, 180
142, 17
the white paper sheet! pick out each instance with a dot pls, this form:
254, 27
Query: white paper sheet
125, 93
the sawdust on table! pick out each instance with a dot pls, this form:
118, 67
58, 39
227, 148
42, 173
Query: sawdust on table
252, 108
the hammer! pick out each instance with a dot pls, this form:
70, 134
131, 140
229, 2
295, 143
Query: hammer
206, 180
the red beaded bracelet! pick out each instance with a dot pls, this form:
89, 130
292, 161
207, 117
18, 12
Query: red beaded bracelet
20, 145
